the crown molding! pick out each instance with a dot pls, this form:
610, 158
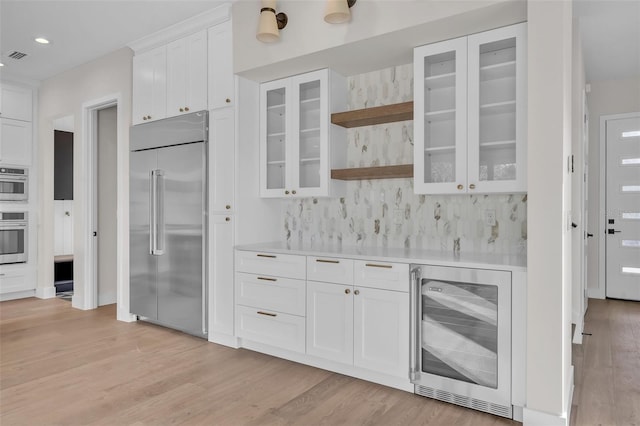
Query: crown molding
181, 29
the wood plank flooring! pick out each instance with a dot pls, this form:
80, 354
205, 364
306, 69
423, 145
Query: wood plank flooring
62, 366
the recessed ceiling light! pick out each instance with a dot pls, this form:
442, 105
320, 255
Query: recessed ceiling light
42, 40
1, 64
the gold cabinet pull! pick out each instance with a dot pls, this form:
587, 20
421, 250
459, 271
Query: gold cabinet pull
144, 118
472, 186
347, 291
186, 108
293, 192
357, 292
181, 109
270, 256
286, 192
267, 279
228, 219
327, 261
375, 265
228, 100
148, 117
460, 186
267, 314
228, 207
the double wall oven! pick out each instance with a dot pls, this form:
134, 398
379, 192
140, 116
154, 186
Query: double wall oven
461, 336
13, 237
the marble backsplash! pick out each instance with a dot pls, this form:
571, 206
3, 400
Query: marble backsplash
386, 212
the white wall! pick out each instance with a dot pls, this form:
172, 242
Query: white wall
606, 98
63, 95
381, 33
549, 243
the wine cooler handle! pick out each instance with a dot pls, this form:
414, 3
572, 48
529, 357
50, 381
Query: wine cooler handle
414, 325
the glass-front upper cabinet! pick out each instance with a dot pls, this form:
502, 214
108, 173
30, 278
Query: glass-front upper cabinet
470, 114
440, 117
298, 143
497, 110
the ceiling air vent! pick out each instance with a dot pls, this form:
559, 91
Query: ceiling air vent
16, 55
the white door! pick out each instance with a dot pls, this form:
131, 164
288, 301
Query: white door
330, 321
275, 99
221, 85
585, 203
623, 208
381, 331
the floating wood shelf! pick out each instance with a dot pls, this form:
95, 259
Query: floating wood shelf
382, 172
375, 115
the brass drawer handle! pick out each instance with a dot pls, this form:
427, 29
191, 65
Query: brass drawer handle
472, 186
460, 187
270, 256
267, 279
267, 314
357, 292
347, 291
327, 261
375, 265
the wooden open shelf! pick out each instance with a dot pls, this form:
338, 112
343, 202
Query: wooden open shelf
382, 172
375, 115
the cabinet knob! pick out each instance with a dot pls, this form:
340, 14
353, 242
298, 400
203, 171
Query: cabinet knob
472, 186
186, 108
356, 292
228, 219
293, 192
148, 117
460, 187
181, 109
144, 118
286, 192
347, 291
228, 207
228, 100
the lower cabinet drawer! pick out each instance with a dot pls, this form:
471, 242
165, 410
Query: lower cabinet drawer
282, 265
382, 275
273, 328
13, 282
284, 295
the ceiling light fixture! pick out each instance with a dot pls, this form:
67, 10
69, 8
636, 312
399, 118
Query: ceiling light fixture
1, 64
337, 11
270, 23
42, 40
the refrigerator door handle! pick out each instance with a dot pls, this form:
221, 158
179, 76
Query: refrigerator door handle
160, 231
152, 212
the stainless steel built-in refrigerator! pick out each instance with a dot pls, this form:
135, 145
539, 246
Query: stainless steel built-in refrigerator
168, 165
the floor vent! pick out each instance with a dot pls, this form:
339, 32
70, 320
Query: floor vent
16, 55
464, 401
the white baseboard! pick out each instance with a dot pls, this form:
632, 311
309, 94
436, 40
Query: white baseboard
517, 413
46, 292
224, 339
17, 295
532, 417
125, 316
577, 333
596, 293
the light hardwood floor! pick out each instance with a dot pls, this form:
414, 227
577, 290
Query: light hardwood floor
61, 366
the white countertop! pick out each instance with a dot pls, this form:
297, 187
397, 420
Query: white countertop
517, 262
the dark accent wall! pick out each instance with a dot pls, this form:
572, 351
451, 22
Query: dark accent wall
63, 166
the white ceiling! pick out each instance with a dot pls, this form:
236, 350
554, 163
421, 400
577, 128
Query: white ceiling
83, 30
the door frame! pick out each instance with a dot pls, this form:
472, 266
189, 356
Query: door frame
89, 299
601, 291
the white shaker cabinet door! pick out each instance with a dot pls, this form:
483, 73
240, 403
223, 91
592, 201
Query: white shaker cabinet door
221, 285
187, 74
150, 85
222, 159
381, 331
330, 321
221, 85
16, 102
15, 142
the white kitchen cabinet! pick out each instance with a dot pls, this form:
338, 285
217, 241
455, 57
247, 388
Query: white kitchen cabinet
222, 281
150, 85
381, 330
187, 74
16, 279
16, 102
15, 142
298, 144
63, 227
222, 159
221, 83
470, 112
330, 321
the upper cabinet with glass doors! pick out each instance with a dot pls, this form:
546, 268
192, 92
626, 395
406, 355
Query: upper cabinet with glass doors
298, 144
470, 114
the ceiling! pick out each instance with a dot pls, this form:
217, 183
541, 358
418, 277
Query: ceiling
83, 30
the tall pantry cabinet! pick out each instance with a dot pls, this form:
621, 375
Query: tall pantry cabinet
470, 113
186, 69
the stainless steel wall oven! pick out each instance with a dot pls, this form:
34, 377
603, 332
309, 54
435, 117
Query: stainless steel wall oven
461, 336
13, 237
14, 184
